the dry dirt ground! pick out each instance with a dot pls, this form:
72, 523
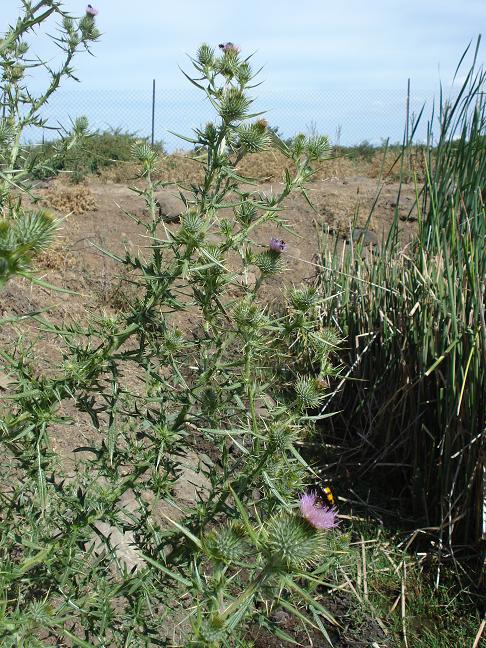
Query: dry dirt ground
76, 263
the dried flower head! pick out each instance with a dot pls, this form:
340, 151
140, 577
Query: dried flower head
322, 383
277, 245
261, 125
229, 47
320, 516
91, 11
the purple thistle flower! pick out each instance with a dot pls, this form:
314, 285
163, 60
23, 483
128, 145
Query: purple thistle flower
320, 516
277, 245
229, 47
91, 11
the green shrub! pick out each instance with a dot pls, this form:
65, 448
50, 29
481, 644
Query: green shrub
362, 151
95, 152
23, 234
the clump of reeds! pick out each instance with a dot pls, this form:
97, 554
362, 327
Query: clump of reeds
415, 325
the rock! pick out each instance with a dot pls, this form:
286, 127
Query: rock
248, 280
281, 618
123, 543
170, 206
364, 236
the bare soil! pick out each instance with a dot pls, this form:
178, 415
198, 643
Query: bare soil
76, 262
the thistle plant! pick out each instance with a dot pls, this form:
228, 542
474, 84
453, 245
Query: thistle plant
187, 380
23, 232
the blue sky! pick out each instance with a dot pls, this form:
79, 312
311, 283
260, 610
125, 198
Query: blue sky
329, 63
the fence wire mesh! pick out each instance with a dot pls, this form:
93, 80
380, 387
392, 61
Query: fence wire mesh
347, 116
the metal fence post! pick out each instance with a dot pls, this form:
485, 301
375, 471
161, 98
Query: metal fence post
153, 113
408, 112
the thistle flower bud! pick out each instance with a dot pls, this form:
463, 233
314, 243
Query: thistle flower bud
192, 222
293, 542
91, 11
209, 134
13, 73
227, 544
247, 314
142, 152
246, 212
192, 228
282, 437
308, 396
269, 262
173, 340
253, 138
318, 147
298, 145
68, 24
302, 299
277, 245
35, 229
244, 74
81, 126
234, 105
205, 55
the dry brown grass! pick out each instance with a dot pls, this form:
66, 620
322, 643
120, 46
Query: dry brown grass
70, 200
270, 165
173, 168
56, 257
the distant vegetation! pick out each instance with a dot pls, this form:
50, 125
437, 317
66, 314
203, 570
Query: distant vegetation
97, 151
107, 154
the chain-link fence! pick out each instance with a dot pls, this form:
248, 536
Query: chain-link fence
347, 116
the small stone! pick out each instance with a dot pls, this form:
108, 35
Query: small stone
247, 279
364, 236
281, 618
170, 207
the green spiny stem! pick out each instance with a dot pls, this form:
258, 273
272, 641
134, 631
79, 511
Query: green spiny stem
247, 593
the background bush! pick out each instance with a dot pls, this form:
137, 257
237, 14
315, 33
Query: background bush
99, 150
